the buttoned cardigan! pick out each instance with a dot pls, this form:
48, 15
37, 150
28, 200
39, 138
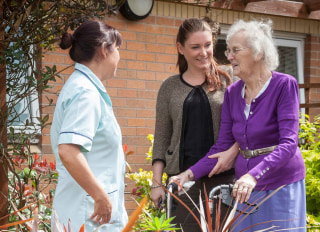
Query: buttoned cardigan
169, 112
273, 120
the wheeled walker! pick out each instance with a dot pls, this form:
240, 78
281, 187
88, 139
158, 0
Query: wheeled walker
219, 194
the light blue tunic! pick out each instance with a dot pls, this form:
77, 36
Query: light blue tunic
84, 116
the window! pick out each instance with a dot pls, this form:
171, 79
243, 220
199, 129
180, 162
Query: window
291, 59
22, 97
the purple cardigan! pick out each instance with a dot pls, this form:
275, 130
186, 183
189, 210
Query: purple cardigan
273, 120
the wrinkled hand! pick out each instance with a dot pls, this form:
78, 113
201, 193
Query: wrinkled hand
182, 178
102, 210
243, 187
156, 194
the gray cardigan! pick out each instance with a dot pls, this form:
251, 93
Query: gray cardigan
169, 110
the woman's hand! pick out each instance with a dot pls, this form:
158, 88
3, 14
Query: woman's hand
102, 210
226, 160
157, 194
243, 187
182, 178
79, 169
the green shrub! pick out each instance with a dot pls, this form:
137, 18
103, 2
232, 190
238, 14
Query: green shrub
309, 142
151, 217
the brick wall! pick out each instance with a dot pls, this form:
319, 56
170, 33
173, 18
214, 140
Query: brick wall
148, 56
312, 71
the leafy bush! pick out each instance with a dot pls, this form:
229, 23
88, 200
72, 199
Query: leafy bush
28, 28
151, 218
309, 138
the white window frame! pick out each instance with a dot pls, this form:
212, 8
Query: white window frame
295, 41
33, 100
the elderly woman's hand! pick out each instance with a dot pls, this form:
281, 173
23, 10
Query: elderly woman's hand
226, 160
243, 187
182, 178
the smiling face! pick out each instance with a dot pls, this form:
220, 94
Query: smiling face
197, 50
242, 59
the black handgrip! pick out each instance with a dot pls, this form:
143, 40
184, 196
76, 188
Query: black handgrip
172, 187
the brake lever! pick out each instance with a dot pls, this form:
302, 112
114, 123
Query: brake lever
161, 204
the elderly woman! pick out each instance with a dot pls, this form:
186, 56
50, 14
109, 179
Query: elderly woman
261, 113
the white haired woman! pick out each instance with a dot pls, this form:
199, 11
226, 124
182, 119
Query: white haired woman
261, 113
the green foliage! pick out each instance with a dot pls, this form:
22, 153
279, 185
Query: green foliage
28, 28
309, 136
151, 217
309, 144
312, 162
159, 224
29, 178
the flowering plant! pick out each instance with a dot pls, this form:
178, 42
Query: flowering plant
31, 183
151, 218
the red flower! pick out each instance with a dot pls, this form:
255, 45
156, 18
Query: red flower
53, 165
136, 192
27, 191
125, 148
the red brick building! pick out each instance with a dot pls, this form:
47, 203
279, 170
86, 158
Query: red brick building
148, 56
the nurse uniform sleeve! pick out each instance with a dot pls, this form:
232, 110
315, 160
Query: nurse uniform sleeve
81, 119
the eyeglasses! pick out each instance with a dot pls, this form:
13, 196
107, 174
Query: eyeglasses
233, 51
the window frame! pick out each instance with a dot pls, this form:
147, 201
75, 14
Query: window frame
34, 107
297, 43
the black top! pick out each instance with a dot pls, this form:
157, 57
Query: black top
197, 128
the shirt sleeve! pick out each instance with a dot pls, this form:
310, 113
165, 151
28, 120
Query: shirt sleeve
288, 123
163, 128
81, 119
224, 142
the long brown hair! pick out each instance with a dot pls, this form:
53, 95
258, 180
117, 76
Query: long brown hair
192, 25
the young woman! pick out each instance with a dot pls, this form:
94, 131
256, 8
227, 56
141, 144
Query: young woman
85, 136
188, 115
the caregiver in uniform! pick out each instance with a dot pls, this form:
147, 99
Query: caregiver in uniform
85, 136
